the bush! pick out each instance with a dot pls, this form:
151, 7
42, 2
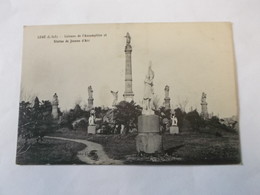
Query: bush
195, 120
127, 113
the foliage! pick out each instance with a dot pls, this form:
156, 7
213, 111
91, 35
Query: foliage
194, 118
36, 120
165, 117
127, 113
215, 122
99, 112
180, 116
72, 115
163, 113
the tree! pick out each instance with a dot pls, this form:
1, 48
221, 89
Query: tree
165, 117
77, 112
180, 116
35, 121
36, 104
27, 96
195, 119
127, 113
25, 124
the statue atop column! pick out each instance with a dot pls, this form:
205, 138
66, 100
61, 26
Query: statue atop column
148, 92
166, 90
128, 93
115, 96
128, 39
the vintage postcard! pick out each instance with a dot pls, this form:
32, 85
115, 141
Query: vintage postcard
142, 94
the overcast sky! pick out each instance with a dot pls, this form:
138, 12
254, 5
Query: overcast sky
189, 57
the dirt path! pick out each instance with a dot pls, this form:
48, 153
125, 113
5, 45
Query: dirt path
93, 154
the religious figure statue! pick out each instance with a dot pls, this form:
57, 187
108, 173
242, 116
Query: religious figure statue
203, 98
166, 90
148, 92
90, 92
55, 100
115, 96
174, 120
128, 39
91, 119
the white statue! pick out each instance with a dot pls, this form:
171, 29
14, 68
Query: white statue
91, 119
174, 120
55, 100
115, 96
148, 92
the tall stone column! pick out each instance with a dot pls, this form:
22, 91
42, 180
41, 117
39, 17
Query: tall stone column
167, 99
204, 106
90, 97
55, 103
128, 94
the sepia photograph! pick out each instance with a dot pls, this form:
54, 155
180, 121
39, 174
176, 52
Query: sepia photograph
129, 94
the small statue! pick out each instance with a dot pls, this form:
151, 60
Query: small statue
90, 92
174, 120
148, 92
55, 100
91, 120
128, 39
115, 96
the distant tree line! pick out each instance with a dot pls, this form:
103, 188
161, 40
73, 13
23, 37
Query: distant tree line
35, 119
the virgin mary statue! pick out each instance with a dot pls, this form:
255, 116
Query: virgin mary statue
148, 91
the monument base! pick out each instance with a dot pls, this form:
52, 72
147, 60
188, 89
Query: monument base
92, 129
149, 143
148, 139
174, 130
148, 124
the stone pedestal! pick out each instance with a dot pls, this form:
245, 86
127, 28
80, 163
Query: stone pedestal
174, 130
148, 139
149, 143
92, 129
